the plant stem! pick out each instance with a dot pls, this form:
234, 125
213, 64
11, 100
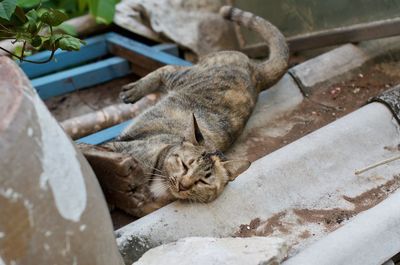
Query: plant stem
29, 61
23, 50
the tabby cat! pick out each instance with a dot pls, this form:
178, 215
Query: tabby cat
179, 141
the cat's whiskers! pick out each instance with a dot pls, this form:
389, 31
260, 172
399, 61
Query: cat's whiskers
142, 162
157, 179
155, 174
160, 188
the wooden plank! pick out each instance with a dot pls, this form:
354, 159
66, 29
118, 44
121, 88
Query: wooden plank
170, 48
354, 33
81, 77
95, 47
104, 135
145, 58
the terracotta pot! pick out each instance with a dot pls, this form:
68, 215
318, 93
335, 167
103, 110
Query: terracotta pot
51, 206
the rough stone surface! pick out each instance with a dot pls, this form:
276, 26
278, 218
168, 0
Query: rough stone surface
218, 251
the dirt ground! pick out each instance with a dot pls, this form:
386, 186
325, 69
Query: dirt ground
325, 105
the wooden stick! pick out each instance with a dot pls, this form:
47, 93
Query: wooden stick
386, 161
86, 124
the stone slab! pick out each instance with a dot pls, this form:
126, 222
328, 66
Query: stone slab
217, 251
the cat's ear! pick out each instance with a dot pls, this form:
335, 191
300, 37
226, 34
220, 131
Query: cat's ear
235, 167
194, 134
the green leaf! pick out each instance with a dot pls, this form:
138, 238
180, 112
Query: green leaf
53, 17
69, 43
28, 3
18, 51
7, 8
20, 14
56, 37
32, 15
32, 27
68, 29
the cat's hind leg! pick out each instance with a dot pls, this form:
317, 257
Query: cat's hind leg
151, 83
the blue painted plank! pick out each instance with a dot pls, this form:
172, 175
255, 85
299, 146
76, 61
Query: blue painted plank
142, 49
104, 135
170, 48
81, 77
95, 47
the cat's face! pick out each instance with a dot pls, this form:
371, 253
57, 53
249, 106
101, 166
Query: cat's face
197, 175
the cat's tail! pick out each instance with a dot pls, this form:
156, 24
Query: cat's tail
271, 70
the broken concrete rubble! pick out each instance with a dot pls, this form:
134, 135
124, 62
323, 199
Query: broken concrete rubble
217, 251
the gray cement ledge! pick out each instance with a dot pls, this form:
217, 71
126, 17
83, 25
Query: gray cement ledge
301, 192
342, 62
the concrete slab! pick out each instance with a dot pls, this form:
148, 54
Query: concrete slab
370, 238
301, 192
217, 251
341, 62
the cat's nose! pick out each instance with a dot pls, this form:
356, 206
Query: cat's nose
183, 187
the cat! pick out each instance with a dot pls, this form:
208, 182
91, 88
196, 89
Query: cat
179, 142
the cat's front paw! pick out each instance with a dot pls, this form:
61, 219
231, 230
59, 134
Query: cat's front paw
129, 94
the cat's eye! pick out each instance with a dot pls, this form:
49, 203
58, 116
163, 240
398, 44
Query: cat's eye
203, 154
201, 181
207, 175
185, 167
